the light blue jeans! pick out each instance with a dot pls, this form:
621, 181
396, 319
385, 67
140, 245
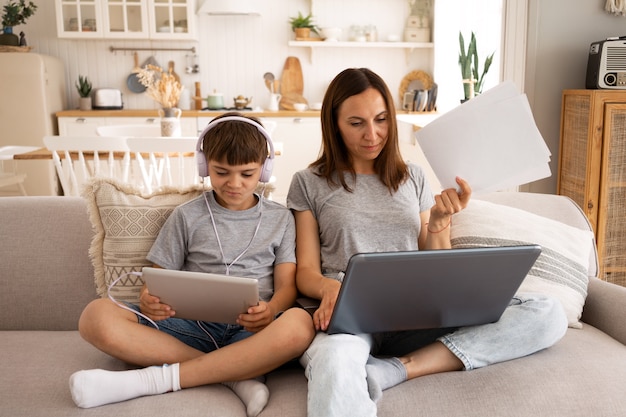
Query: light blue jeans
335, 364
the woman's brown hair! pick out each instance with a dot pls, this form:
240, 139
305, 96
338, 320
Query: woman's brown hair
334, 161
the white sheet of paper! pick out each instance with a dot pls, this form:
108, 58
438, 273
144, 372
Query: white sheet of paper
491, 141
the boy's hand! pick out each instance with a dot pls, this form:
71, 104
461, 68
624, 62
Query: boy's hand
152, 306
257, 317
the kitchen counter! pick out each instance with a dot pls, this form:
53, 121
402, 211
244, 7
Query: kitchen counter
186, 113
417, 118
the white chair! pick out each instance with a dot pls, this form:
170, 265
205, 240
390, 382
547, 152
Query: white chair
78, 158
10, 176
130, 130
155, 155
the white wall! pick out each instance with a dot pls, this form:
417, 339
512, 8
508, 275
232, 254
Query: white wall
560, 32
235, 51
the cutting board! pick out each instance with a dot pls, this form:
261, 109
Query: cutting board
292, 80
291, 84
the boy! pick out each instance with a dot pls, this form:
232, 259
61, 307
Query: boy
229, 230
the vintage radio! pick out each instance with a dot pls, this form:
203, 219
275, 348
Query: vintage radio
606, 65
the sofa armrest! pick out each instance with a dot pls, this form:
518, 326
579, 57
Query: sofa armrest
605, 308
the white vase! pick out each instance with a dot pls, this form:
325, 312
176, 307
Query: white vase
84, 103
170, 122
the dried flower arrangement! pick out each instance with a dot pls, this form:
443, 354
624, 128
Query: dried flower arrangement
161, 86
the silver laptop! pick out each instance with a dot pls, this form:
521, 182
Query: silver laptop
202, 296
395, 291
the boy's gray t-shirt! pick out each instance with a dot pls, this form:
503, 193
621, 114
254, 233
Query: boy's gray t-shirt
187, 240
368, 219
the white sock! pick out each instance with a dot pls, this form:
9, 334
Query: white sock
383, 374
253, 393
95, 387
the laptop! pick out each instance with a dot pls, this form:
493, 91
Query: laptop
202, 296
394, 291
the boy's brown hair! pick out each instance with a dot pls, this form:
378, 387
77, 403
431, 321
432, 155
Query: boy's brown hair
235, 142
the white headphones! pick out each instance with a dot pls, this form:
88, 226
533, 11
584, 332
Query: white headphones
268, 165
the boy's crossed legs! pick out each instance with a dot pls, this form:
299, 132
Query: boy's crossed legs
117, 332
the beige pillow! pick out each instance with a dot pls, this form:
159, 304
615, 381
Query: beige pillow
126, 223
562, 268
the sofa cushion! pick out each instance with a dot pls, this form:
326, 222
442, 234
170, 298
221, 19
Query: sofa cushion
559, 381
560, 270
37, 376
126, 223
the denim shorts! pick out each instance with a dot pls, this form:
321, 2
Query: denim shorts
203, 336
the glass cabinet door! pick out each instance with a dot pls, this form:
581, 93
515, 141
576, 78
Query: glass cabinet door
79, 19
126, 19
171, 19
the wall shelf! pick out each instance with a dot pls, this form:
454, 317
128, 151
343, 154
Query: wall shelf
407, 46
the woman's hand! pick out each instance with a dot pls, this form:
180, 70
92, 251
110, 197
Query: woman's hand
435, 232
257, 317
152, 306
329, 292
449, 202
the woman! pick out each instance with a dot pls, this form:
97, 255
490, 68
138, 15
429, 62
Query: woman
360, 196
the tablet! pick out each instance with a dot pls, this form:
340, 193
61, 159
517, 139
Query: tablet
202, 296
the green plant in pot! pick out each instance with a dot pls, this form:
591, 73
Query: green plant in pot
303, 26
15, 13
83, 86
469, 63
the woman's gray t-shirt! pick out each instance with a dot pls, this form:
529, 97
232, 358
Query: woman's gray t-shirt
368, 219
187, 240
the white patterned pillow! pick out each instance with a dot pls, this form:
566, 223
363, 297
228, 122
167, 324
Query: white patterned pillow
126, 223
561, 269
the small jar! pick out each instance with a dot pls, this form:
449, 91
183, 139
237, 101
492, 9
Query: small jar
371, 34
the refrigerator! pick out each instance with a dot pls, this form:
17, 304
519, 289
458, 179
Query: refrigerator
32, 90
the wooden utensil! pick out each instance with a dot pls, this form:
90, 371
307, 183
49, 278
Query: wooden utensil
269, 81
197, 99
292, 80
170, 68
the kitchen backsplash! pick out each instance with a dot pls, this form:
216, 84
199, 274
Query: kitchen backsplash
233, 52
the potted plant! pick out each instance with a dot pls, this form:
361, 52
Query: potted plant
303, 26
83, 86
469, 62
15, 13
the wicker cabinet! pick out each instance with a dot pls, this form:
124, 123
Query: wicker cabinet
592, 169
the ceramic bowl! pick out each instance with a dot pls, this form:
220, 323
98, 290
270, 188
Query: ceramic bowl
331, 34
300, 106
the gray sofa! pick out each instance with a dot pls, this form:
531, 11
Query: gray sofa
47, 278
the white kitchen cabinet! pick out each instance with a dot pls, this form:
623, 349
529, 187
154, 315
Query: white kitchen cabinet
299, 140
79, 18
172, 19
187, 124
86, 126
126, 19
79, 126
